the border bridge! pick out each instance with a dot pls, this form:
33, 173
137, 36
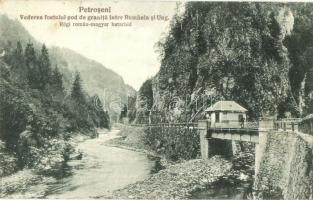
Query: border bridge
214, 139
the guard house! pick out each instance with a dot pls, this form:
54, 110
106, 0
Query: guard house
226, 114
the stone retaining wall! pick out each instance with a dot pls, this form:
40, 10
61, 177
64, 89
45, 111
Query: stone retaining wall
285, 165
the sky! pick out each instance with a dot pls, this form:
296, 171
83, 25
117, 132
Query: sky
129, 51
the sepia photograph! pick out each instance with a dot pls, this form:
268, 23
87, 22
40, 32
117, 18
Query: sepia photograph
123, 99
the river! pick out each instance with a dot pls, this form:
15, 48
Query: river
102, 170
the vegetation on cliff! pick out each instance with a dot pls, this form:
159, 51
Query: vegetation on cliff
144, 102
299, 44
257, 54
173, 142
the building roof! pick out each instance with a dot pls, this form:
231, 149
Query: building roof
310, 116
230, 106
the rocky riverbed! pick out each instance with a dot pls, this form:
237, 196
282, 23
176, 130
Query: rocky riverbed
24, 184
177, 181
210, 179
132, 138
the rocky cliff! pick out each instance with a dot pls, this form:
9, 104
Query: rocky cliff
247, 52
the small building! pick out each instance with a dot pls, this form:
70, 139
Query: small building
227, 114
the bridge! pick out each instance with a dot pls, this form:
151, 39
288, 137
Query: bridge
216, 137
283, 148
232, 131
250, 132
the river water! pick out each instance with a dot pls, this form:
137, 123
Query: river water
102, 170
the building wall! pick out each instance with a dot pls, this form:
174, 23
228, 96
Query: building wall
227, 119
234, 116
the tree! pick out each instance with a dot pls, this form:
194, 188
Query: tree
18, 57
123, 112
131, 113
144, 102
77, 93
146, 93
44, 67
17, 62
271, 42
99, 117
33, 74
56, 84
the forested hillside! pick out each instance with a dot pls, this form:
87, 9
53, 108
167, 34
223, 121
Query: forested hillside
257, 54
37, 115
45, 100
97, 79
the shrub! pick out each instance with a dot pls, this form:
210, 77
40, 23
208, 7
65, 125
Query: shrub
175, 143
48, 159
7, 161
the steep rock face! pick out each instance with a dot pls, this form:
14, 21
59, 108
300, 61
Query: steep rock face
97, 79
286, 165
222, 51
299, 44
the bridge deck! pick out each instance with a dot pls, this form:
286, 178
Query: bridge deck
238, 134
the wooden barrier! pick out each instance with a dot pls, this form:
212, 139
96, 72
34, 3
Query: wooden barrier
289, 124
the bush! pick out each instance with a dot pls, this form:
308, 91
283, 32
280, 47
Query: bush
7, 161
48, 159
175, 143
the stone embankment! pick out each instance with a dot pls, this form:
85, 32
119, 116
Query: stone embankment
285, 165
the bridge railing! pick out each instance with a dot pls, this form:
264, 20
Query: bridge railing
235, 124
306, 125
287, 124
253, 125
178, 125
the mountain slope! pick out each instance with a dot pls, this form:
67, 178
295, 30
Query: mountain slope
246, 52
96, 77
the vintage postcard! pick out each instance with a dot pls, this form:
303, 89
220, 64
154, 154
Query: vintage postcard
156, 99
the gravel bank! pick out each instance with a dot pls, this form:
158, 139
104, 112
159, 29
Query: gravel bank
23, 184
177, 181
132, 138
